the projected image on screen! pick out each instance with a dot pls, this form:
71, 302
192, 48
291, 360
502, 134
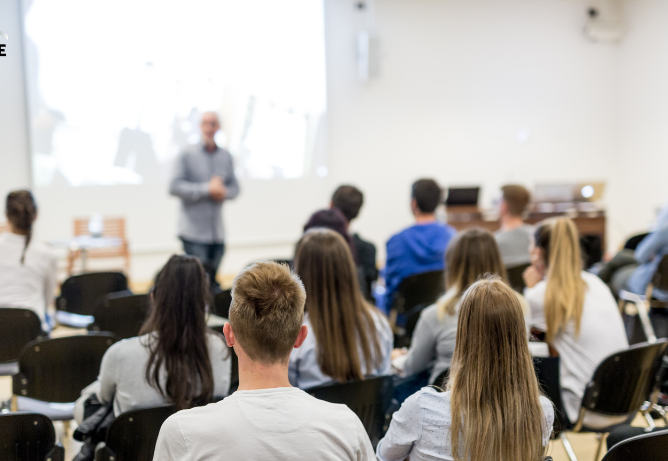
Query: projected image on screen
116, 87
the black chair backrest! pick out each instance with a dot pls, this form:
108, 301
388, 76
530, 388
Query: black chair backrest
647, 447
633, 242
424, 288
80, 293
56, 370
515, 278
547, 373
133, 435
221, 303
634, 373
17, 328
660, 277
121, 315
368, 399
28, 437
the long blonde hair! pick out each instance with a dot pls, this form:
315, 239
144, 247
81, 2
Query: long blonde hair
494, 395
558, 240
473, 253
341, 320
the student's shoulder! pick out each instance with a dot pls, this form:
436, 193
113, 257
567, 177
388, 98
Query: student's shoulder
44, 251
128, 348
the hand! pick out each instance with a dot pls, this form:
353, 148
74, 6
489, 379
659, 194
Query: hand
531, 276
398, 353
217, 189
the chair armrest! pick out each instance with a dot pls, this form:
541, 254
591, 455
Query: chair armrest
104, 453
630, 297
57, 453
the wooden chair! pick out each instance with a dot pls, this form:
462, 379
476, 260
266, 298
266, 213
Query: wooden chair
112, 227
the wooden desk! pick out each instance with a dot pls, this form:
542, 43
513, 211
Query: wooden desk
589, 223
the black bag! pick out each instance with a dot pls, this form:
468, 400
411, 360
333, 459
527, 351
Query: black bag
93, 429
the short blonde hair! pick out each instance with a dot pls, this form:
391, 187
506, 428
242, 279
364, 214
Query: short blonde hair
267, 311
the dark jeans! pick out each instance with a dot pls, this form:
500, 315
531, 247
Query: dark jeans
209, 254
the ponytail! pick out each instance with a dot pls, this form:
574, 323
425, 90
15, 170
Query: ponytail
565, 291
21, 213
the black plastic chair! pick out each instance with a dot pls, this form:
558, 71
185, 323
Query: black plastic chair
368, 399
28, 437
56, 370
221, 304
404, 338
121, 315
515, 278
133, 435
424, 288
633, 242
18, 327
80, 293
547, 373
634, 373
646, 447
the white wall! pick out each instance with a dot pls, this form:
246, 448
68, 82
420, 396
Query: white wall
14, 161
458, 79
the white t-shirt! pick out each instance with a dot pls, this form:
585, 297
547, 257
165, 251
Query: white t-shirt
601, 334
266, 424
421, 428
30, 285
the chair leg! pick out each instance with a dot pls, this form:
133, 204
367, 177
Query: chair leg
568, 447
601, 440
645, 321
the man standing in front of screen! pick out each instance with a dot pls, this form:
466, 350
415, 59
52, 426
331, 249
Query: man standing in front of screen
203, 179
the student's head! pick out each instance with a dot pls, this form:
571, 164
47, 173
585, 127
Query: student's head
332, 219
209, 125
514, 201
178, 321
555, 253
492, 380
348, 200
425, 195
267, 313
341, 320
21, 212
472, 254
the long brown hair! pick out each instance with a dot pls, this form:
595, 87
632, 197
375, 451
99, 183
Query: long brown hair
494, 395
342, 321
178, 318
472, 253
565, 291
22, 212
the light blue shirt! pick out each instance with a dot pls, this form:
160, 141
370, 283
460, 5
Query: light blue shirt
304, 371
421, 428
649, 253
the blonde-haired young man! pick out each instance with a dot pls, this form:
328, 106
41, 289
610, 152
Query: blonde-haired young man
266, 418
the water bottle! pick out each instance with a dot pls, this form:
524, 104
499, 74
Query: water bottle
95, 225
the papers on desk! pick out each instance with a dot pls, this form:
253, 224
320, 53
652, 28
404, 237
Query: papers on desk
539, 349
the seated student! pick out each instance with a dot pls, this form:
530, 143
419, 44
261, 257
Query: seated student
492, 385
421, 247
349, 338
176, 359
27, 268
266, 418
633, 270
335, 220
348, 200
574, 308
514, 235
472, 254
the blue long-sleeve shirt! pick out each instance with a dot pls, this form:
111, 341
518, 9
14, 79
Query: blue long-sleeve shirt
649, 253
417, 249
201, 217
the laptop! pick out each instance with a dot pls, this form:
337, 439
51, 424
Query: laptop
462, 196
